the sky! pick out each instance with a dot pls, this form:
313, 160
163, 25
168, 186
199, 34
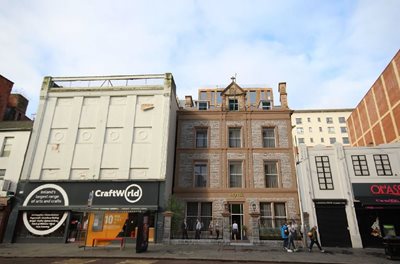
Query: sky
328, 52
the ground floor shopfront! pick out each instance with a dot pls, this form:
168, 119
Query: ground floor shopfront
378, 211
217, 212
79, 212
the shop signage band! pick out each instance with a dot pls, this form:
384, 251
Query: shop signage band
377, 193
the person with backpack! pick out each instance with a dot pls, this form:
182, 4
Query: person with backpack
285, 236
313, 235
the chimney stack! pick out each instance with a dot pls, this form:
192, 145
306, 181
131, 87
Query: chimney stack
283, 95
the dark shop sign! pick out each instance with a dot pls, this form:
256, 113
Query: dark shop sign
96, 194
377, 193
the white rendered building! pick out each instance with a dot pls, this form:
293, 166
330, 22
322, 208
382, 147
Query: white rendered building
320, 126
102, 153
345, 190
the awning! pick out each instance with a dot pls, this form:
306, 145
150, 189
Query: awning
139, 208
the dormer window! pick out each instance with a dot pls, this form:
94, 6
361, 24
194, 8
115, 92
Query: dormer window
233, 105
265, 105
202, 105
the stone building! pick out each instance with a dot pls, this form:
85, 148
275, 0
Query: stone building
234, 161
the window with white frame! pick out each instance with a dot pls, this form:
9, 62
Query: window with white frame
343, 130
234, 137
265, 105
200, 174
342, 120
329, 120
300, 140
273, 215
299, 130
298, 121
233, 105
201, 137
331, 130
382, 165
202, 105
345, 140
198, 210
271, 174
7, 145
332, 140
360, 165
235, 174
324, 173
310, 129
268, 134
2, 174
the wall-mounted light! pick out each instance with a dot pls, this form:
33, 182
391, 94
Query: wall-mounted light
254, 206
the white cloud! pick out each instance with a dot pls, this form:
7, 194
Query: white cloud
322, 49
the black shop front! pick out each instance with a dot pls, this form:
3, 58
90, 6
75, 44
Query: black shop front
82, 211
378, 211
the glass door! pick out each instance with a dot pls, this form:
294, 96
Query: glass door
236, 211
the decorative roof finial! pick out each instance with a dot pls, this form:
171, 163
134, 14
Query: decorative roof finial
233, 78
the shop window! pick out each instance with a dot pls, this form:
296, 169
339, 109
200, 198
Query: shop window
273, 216
268, 137
200, 174
324, 173
235, 174
201, 137
198, 210
271, 175
382, 165
7, 144
360, 165
234, 137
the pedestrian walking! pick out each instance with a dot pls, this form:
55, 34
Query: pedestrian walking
235, 230
292, 237
217, 229
184, 229
285, 235
210, 228
313, 235
198, 229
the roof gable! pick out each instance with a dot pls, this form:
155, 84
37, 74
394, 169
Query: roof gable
233, 89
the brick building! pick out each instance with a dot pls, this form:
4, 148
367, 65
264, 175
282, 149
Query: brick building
234, 161
376, 119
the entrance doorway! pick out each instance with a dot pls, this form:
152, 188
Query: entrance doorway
236, 211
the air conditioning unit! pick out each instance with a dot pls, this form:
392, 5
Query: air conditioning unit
6, 185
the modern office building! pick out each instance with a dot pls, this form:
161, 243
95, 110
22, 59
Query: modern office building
100, 157
234, 161
320, 126
350, 193
376, 119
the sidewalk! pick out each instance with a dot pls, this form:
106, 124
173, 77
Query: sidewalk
236, 252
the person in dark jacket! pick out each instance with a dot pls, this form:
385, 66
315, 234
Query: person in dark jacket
313, 235
184, 229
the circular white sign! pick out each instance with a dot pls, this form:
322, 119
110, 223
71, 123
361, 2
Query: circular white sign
133, 193
55, 227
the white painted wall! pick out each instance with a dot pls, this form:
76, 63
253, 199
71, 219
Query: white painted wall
13, 164
343, 176
102, 134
